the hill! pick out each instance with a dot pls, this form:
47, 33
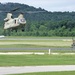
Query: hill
45, 15
44, 23
23, 8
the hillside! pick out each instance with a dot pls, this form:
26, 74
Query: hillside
23, 8
41, 23
55, 16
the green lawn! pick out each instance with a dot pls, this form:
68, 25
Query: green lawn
37, 41
50, 73
29, 60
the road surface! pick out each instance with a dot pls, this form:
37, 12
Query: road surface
30, 69
41, 48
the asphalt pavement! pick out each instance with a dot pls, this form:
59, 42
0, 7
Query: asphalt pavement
35, 48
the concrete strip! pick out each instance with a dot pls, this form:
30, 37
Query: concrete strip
35, 53
21, 53
30, 69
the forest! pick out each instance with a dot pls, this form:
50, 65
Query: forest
44, 23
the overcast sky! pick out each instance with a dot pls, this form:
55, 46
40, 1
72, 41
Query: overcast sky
50, 5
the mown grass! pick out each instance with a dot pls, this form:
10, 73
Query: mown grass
50, 73
35, 37
22, 46
6, 51
37, 41
32, 60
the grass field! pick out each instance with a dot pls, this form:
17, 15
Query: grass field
29, 60
36, 41
50, 73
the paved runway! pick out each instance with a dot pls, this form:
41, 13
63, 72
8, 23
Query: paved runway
30, 69
43, 48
